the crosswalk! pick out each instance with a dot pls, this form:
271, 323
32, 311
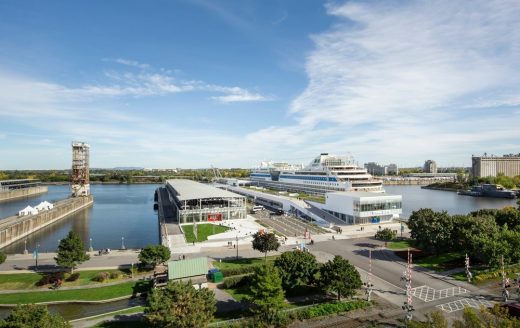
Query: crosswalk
465, 302
429, 294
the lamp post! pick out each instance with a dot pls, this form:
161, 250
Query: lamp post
25, 247
35, 255
237, 245
123, 243
132, 269
90, 249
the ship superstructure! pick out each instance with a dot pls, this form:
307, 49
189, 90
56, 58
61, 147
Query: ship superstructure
325, 173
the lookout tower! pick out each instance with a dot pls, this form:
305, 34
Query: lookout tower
80, 169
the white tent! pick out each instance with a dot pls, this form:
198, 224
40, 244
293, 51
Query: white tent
43, 206
28, 211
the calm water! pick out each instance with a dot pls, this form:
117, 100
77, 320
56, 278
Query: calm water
127, 211
118, 211
415, 198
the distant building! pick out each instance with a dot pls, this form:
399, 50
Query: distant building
485, 166
379, 169
430, 166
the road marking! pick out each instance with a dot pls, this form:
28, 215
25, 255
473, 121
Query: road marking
429, 294
465, 302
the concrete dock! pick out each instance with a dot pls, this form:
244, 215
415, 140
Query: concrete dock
23, 192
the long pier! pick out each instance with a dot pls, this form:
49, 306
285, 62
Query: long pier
22, 192
17, 227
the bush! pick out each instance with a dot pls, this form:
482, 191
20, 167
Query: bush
3, 257
50, 278
236, 281
115, 275
101, 276
330, 308
238, 271
73, 277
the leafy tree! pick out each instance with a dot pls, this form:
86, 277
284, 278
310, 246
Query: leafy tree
296, 268
33, 315
433, 320
267, 296
494, 317
180, 305
71, 251
467, 231
3, 257
154, 254
431, 230
265, 242
386, 235
509, 216
339, 276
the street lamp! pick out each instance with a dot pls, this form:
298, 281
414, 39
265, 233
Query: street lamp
90, 249
25, 247
123, 243
237, 246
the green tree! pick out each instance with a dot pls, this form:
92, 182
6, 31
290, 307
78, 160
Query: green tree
339, 276
33, 315
266, 293
433, 320
3, 257
431, 230
296, 268
180, 305
509, 216
467, 230
265, 242
154, 254
71, 251
494, 317
386, 235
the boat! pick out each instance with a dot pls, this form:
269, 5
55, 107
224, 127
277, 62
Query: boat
490, 190
325, 173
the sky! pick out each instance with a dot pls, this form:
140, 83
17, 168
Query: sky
194, 83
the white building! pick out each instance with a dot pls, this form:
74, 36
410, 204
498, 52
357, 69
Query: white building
362, 207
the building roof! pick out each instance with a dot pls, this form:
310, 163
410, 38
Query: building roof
362, 194
188, 189
187, 268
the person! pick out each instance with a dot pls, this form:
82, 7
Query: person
183, 256
333, 237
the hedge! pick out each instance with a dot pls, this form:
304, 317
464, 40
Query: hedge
236, 281
238, 271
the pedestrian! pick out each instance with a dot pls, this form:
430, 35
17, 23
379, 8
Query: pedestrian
183, 256
333, 237
193, 243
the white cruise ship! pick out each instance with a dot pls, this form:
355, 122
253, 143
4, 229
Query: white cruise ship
326, 173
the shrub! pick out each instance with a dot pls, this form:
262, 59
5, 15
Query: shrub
238, 271
115, 275
3, 257
236, 281
73, 277
50, 278
101, 276
330, 308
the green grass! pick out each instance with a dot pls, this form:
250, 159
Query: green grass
203, 231
86, 294
485, 275
233, 264
15, 281
401, 244
436, 262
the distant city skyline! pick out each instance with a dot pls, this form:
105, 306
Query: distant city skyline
189, 84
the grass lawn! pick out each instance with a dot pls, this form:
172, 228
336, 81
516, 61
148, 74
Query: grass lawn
203, 231
233, 264
401, 244
86, 294
28, 280
438, 262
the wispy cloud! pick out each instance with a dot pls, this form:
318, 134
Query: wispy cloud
132, 63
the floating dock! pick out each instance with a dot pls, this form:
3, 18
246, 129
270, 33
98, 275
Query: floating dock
17, 227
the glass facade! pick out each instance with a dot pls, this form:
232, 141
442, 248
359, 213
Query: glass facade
379, 205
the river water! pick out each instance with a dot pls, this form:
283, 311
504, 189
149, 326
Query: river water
127, 211
119, 211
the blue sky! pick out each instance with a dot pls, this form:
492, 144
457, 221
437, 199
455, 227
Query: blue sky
231, 83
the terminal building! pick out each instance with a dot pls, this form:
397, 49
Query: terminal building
198, 202
7, 185
491, 166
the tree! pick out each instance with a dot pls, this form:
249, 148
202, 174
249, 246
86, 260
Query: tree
3, 257
296, 268
71, 251
180, 305
33, 315
494, 317
431, 230
267, 296
386, 235
339, 276
154, 254
509, 216
265, 242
